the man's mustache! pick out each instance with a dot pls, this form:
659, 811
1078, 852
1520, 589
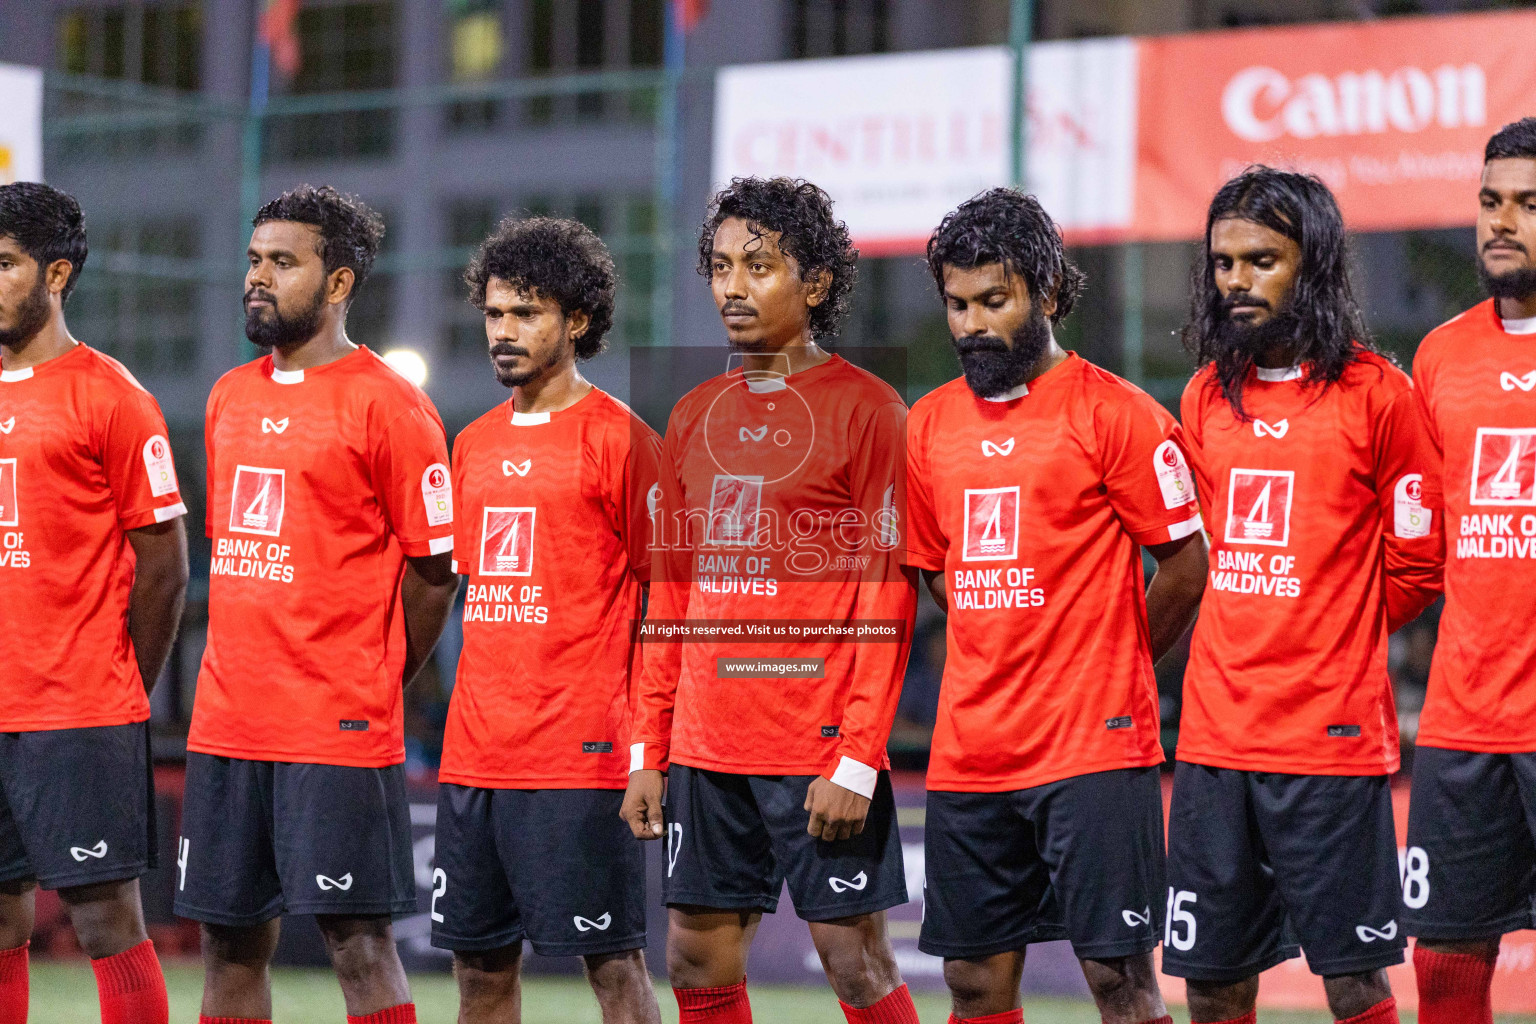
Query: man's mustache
980, 343
504, 349
1504, 243
1235, 299
257, 294
735, 308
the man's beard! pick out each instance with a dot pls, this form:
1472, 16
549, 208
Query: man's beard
1240, 344
269, 328
513, 379
1518, 284
30, 317
993, 368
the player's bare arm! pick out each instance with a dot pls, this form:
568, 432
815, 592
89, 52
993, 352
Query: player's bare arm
159, 593
1173, 596
934, 579
427, 591
642, 804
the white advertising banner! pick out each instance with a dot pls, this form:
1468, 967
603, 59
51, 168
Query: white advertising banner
21, 124
898, 140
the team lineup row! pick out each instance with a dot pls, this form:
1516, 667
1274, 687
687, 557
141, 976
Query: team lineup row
616, 683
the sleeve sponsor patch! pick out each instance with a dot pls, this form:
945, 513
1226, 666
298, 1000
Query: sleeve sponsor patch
437, 493
159, 466
1410, 519
1173, 475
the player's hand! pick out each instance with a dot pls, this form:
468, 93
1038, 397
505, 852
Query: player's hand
642, 804
836, 813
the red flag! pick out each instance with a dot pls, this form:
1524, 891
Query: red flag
277, 30
689, 12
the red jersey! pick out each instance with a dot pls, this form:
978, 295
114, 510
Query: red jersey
779, 503
1034, 508
1312, 503
1476, 385
321, 482
83, 458
554, 536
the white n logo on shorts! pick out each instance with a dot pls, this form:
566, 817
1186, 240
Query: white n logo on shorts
183, 849
674, 845
601, 924
1386, 932
98, 851
326, 883
860, 880
1132, 919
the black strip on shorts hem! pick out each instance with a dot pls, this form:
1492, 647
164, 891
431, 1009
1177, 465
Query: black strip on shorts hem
1111, 950
481, 945
1389, 957
262, 916
955, 951
115, 873
396, 908
767, 905
615, 945
1227, 975
1432, 931
873, 905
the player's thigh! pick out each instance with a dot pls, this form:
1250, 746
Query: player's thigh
718, 849
830, 880
577, 873
15, 865
226, 872
79, 801
1333, 847
1102, 836
986, 889
1224, 918
472, 910
1470, 866
342, 838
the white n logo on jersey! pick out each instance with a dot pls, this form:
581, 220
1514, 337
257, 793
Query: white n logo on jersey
508, 467
752, 435
1262, 429
989, 449
1509, 381
8, 425
274, 426
256, 501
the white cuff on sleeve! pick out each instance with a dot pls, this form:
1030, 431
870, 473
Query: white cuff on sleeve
1179, 531
856, 777
636, 757
440, 545
170, 512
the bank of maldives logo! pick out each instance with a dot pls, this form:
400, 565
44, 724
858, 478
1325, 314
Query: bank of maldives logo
10, 513
256, 501
1259, 506
734, 503
506, 542
991, 525
1504, 467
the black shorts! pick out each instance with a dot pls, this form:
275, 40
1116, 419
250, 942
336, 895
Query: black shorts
1262, 865
557, 867
1470, 868
261, 838
1079, 859
76, 805
733, 841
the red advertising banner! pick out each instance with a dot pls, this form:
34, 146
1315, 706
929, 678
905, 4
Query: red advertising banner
1393, 115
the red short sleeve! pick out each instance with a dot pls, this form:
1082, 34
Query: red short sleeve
635, 494
1146, 471
412, 482
136, 456
925, 541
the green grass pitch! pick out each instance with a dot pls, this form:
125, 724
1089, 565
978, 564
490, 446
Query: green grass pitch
65, 993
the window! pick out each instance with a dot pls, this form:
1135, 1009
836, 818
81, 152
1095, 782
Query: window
469, 222
568, 36
342, 46
146, 317
836, 28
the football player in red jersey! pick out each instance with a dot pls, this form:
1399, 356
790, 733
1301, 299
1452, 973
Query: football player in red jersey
1469, 874
1310, 459
331, 514
778, 501
1035, 480
554, 537
93, 568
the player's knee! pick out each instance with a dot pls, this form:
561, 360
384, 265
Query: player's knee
106, 917
1221, 1000
615, 972
360, 947
17, 914
488, 978
1120, 979
248, 947
977, 988
860, 972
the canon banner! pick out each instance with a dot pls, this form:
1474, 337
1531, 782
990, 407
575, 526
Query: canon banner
1129, 138
21, 124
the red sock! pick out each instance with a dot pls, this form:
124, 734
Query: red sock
131, 987
724, 1005
895, 1008
405, 1013
1011, 1017
203, 1019
1384, 1012
1164, 1019
13, 985
1251, 1017
1454, 988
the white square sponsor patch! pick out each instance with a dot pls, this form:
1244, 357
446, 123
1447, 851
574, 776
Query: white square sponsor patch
506, 542
1259, 507
10, 514
1504, 467
1410, 518
160, 467
256, 501
1173, 476
991, 525
437, 494
734, 503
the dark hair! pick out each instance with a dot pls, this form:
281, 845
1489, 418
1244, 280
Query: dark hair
1003, 225
808, 232
350, 232
1328, 332
47, 224
1516, 139
557, 258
